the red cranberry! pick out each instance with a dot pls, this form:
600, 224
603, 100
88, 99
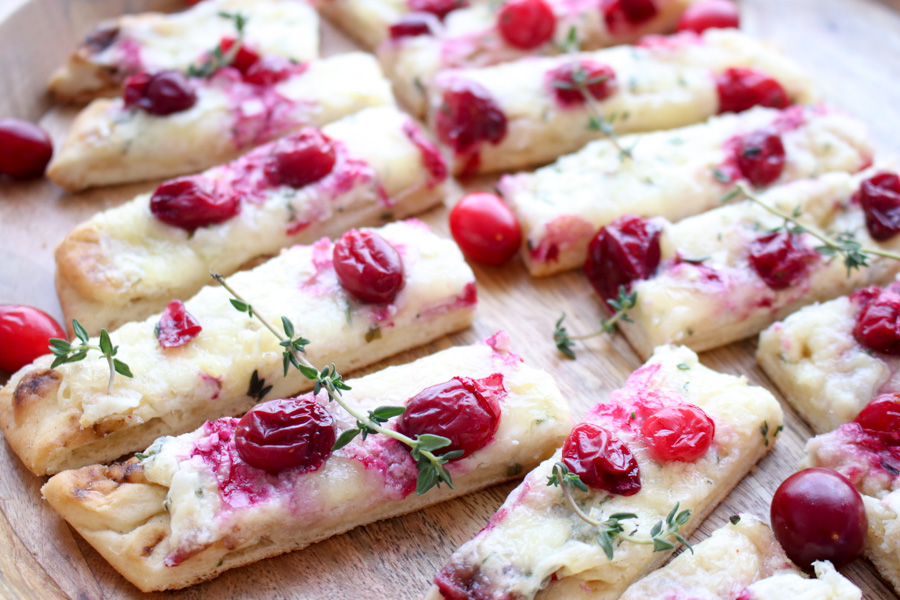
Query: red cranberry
192, 202
882, 417
244, 59
485, 229
817, 514
781, 259
709, 14
624, 251
25, 149
878, 321
468, 116
368, 267
879, 196
176, 326
413, 25
600, 80
682, 432
741, 88
301, 159
25, 332
602, 460
526, 24
284, 434
271, 69
760, 157
162, 94
440, 8
463, 410
624, 14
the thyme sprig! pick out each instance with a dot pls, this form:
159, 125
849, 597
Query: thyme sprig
67, 352
422, 449
219, 58
611, 528
620, 306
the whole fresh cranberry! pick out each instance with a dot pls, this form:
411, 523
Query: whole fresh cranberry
164, 93
781, 259
682, 432
878, 320
465, 411
25, 149
881, 417
440, 8
285, 434
368, 267
25, 332
760, 157
485, 229
879, 197
469, 116
565, 80
526, 24
741, 88
413, 25
624, 14
601, 460
176, 326
272, 69
709, 14
624, 251
301, 159
193, 202
244, 59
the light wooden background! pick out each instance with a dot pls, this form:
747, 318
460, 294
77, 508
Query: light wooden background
852, 47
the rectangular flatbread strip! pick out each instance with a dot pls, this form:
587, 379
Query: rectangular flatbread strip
524, 118
154, 42
110, 144
124, 264
725, 275
63, 418
674, 174
175, 518
471, 37
536, 546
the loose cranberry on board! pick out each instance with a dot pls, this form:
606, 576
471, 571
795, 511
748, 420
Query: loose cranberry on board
193, 202
601, 460
176, 326
683, 432
878, 320
881, 417
709, 14
469, 116
741, 88
879, 197
526, 24
485, 228
817, 514
25, 149
440, 8
760, 157
781, 259
368, 267
24, 335
301, 159
624, 251
598, 78
162, 94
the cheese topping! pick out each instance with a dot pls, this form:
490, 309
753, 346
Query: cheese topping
828, 585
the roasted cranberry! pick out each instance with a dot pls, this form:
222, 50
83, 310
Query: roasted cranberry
463, 410
25, 149
741, 88
244, 59
623, 14
272, 69
781, 259
431, 156
368, 266
682, 432
882, 417
879, 196
878, 321
526, 24
624, 251
760, 157
413, 25
437, 7
817, 514
25, 332
602, 460
709, 14
564, 81
162, 94
301, 159
283, 434
192, 202
468, 116
176, 326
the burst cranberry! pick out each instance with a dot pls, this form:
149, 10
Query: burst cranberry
879, 196
25, 332
301, 159
283, 434
760, 157
709, 14
526, 24
368, 267
193, 202
817, 514
741, 88
624, 251
440, 8
624, 14
882, 417
413, 25
878, 321
682, 432
463, 410
244, 59
468, 116
176, 326
602, 460
564, 81
272, 69
781, 259
162, 94
25, 149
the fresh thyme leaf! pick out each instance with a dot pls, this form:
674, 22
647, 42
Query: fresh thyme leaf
720, 176
218, 58
764, 430
80, 331
121, 368
561, 338
383, 413
345, 438
735, 519
65, 352
258, 388
621, 305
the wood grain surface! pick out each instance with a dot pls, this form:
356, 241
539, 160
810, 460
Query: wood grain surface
852, 48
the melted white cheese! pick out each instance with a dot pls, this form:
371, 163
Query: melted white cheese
828, 585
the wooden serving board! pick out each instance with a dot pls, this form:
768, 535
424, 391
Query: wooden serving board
851, 46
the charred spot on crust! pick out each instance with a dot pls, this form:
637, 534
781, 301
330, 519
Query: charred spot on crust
101, 37
147, 550
130, 471
105, 480
34, 386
